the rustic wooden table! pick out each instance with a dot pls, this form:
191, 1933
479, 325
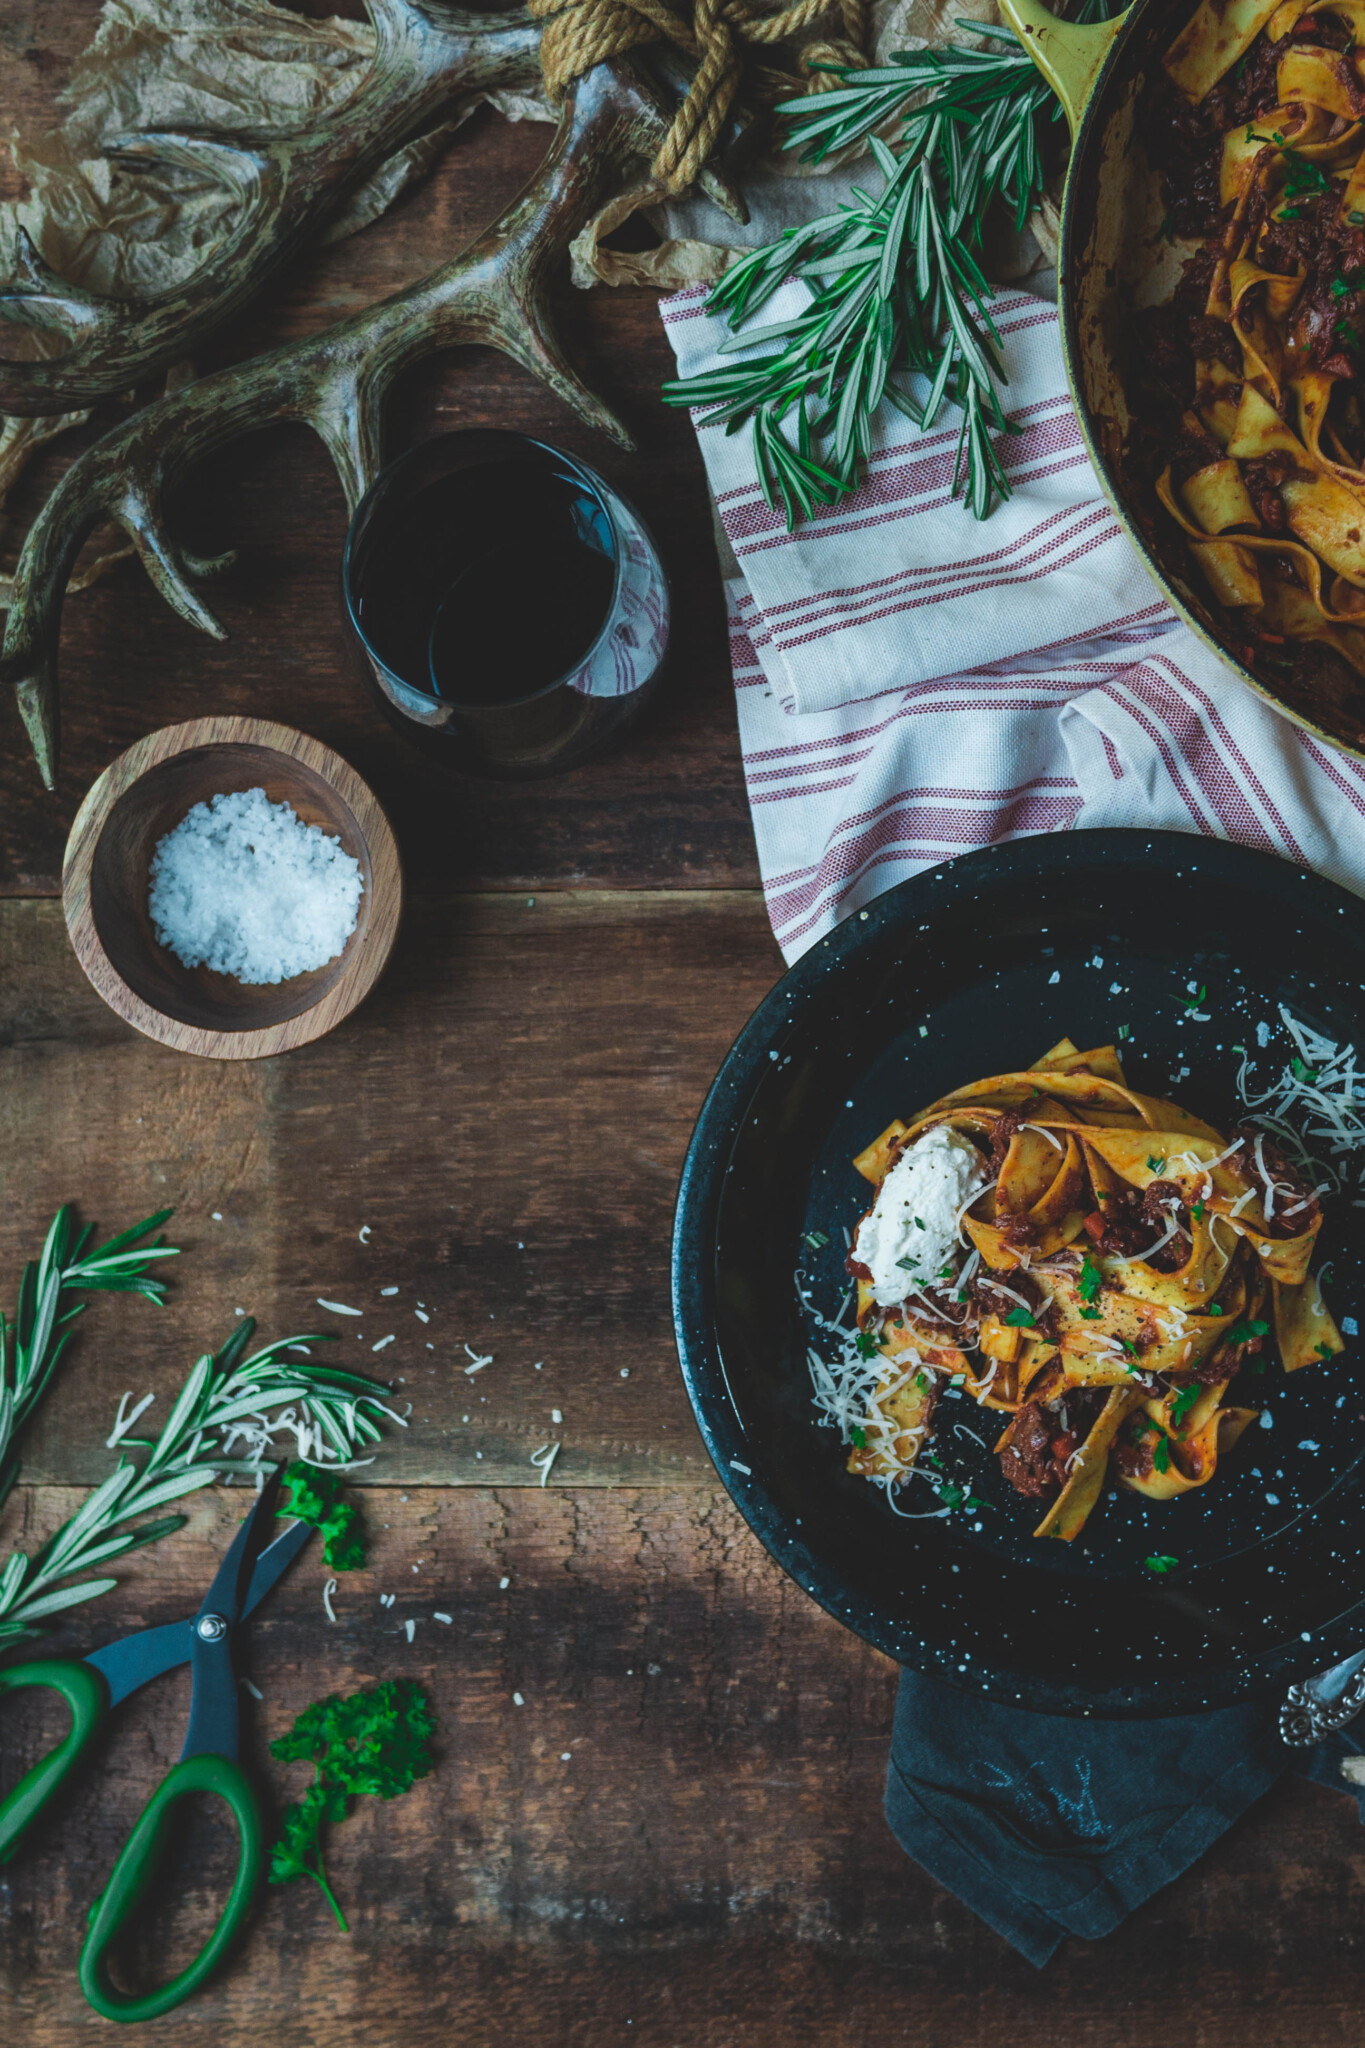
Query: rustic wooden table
677, 1838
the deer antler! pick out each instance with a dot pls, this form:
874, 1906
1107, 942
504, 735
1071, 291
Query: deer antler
427, 55
495, 291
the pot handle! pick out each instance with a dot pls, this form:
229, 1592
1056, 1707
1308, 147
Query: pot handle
1068, 53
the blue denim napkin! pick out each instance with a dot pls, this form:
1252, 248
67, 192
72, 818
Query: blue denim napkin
1047, 1825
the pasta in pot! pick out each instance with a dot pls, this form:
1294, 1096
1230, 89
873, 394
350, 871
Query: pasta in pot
1125, 1260
1263, 465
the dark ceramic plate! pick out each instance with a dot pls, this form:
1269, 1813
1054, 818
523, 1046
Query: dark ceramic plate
971, 969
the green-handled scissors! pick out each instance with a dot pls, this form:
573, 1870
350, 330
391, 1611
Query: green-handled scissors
208, 1762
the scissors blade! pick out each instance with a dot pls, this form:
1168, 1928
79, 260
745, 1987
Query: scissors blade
135, 1660
272, 1564
225, 1596
214, 1717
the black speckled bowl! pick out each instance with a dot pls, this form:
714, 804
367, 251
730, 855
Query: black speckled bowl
971, 969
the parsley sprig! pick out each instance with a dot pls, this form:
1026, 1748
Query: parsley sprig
375, 1744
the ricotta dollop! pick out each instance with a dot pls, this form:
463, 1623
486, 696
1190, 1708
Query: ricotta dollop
910, 1233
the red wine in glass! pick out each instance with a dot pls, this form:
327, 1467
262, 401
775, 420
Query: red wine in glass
512, 605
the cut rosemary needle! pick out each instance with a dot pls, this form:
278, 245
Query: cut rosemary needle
897, 289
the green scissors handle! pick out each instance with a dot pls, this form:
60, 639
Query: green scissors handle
137, 1866
87, 1695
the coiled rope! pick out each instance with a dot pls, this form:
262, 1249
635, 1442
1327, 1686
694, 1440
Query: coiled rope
581, 33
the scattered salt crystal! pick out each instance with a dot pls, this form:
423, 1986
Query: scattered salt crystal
327, 1592
382, 1342
421, 1315
216, 1215
254, 1690
555, 1415
446, 1618
364, 1233
410, 1628
517, 1700
388, 1290
244, 887
503, 1584
338, 1308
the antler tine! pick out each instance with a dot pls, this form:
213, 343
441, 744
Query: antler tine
495, 291
427, 55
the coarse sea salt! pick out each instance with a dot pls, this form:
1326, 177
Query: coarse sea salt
245, 887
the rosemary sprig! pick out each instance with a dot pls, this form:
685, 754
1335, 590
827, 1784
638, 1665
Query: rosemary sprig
32, 1345
228, 1400
896, 281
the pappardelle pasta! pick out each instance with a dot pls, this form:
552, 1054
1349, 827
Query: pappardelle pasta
1262, 459
1094, 1264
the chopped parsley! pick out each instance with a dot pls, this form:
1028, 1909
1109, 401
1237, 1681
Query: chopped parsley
1323, 1350
946, 1272
1216, 1308
1129, 1347
1091, 1315
859, 1436
1197, 1211
919, 1223
1022, 1319
1088, 1286
1302, 1072
1161, 1456
375, 1742
1125, 1032
1242, 1333
313, 1495
908, 1265
1156, 1165
1184, 1400
866, 1344
924, 1380
1161, 1564
1195, 1001
817, 1239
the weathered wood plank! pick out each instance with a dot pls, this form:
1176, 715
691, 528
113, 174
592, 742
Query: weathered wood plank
710, 1867
508, 1114
668, 809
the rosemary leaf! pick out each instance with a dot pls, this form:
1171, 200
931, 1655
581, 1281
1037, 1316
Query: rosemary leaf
236, 1398
32, 1346
897, 288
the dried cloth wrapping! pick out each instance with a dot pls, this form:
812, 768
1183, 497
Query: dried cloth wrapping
214, 67
1047, 1825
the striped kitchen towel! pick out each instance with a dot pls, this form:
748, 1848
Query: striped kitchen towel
912, 683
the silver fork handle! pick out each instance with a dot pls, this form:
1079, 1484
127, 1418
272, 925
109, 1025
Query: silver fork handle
1319, 1705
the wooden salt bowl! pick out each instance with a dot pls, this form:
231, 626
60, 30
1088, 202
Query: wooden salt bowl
106, 874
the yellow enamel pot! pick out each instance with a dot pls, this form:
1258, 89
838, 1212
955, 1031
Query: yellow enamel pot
1113, 260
